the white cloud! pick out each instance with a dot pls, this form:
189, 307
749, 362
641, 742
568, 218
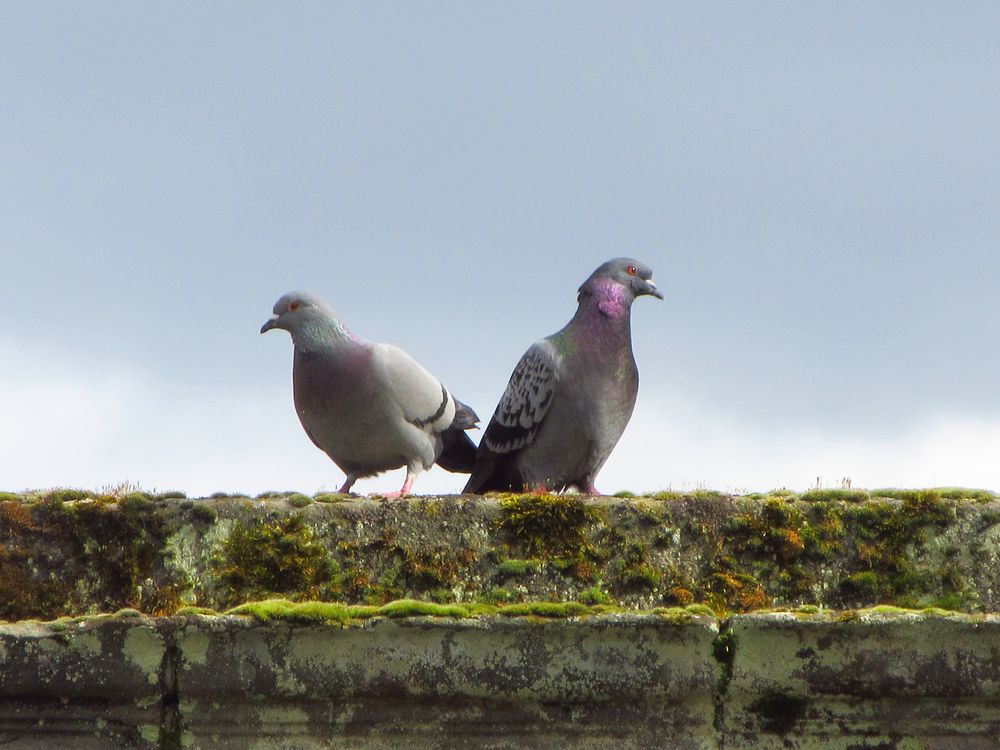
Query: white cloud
92, 427
674, 442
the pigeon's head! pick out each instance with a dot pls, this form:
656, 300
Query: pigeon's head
302, 314
618, 282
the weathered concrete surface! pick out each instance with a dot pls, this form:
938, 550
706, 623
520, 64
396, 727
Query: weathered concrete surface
89, 685
878, 680
67, 553
872, 679
631, 681
232, 682
367, 677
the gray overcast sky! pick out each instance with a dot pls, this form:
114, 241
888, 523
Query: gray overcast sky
816, 186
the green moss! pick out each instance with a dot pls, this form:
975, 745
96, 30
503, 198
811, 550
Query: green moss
120, 548
127, 613
497, 595
962, 493
595, 595
738, 555
282, 609
700, 609
280, 556
299, 501
841, 495
624, 494
774, 533
781, 492
66, 495
956, 601
776, 542
170, 495
269, 609
271, 494
545, 525
21, 594
639, 577
387, 568
703, 493
433, 567
195, 611
413, 608
864, 586
430, 507
519, 568
887, 610
881, 558
10, 497
946, 493
666, 496
676, 615
331, 497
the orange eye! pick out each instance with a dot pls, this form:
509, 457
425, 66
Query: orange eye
293, 306
631, 270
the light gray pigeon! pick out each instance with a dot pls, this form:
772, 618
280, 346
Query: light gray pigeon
369, 407
571, 395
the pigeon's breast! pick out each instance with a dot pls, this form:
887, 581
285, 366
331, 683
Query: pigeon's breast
593, 406
338, 406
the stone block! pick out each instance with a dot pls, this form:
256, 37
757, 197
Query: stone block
879, 679
82, 685
623, 681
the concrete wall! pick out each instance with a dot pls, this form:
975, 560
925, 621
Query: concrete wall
68, 553
871, 679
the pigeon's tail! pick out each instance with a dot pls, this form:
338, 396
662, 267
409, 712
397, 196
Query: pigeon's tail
494, 472
465, 417
458, 452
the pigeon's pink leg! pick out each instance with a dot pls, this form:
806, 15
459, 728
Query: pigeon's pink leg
590, 489
345, 488
405, 489
539, 489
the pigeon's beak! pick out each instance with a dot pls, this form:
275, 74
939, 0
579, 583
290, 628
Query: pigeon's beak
271, 323
652, 290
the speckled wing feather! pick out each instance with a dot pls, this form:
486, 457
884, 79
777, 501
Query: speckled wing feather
522, 408
526, 401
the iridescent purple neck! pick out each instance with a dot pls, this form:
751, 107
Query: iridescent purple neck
608, 297
603, 321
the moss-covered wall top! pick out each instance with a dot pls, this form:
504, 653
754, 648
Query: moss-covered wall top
68, 553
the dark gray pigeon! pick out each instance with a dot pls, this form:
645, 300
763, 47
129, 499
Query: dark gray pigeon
369, 407
571, 395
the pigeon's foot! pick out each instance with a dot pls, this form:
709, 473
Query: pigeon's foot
539, 489
394, 495
592, 490
403, 491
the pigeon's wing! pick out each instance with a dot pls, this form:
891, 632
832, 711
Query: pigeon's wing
421, 398
526, 401
521, 411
